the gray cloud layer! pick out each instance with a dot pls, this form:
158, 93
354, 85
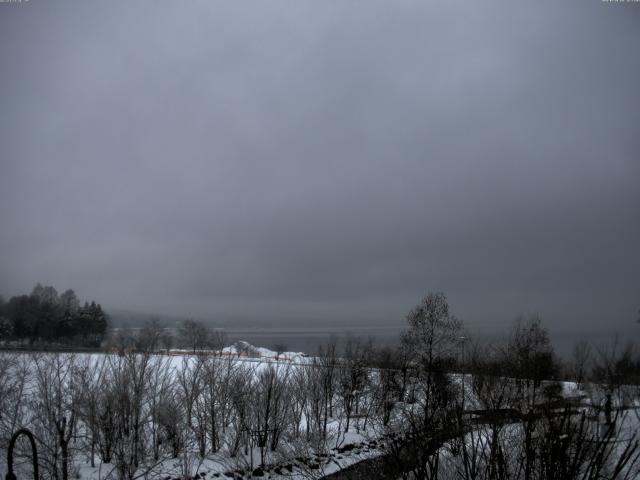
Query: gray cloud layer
324, 161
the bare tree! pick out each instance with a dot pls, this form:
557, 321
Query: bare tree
14, 380
126, 414
189, 385
160, 387
242, 386
531, 359
217, 376
483, 451
387, 382
194, 334
168, 418
310, 403
328, 363
55, 407
93, 374
272, 406
14, 377
167, 340
430, 343
581, 359
353, 377
616, 372
216, 340
150, 335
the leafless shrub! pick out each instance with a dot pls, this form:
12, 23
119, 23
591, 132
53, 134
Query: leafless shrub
54, 406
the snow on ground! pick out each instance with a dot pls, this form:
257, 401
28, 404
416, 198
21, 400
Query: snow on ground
343, 448
247, 466
245, 350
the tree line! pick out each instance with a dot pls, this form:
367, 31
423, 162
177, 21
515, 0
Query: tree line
44, 316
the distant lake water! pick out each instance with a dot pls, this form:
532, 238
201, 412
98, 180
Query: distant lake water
308, 339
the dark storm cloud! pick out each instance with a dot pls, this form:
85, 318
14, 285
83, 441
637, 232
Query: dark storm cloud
324, 160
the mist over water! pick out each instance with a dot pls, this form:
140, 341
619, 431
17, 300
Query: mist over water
308, 340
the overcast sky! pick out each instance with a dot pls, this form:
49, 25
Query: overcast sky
324, 161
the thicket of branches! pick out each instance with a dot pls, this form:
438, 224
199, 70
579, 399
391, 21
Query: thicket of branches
133, 411
504, 414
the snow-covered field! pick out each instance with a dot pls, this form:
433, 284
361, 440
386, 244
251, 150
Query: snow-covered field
241, 412
232, 384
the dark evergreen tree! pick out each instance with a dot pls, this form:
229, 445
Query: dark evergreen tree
46, 316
